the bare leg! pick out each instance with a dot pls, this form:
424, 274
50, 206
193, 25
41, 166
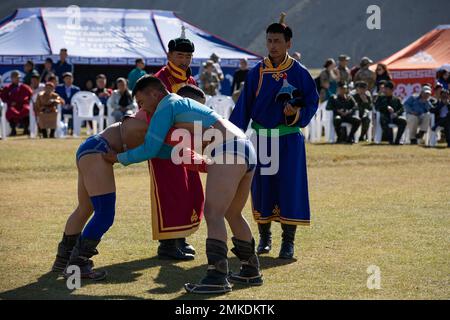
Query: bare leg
98, 175
221, 186
80, 216
238, 224
95, 177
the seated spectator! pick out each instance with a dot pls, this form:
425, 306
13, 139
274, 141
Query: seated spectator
89, 85
344, 107
382, 74
29, 71
47, 69
101, 91
121, 102
380, 92
330, 74
63, 66
365, 105
365, 74
136, 73
437, 94
46, 110
17, 98
324, 92
53, 79
417, 114
391, 112
209, 79
344, 71
239, 75
36, 86
66, 91
441, 110
442, 77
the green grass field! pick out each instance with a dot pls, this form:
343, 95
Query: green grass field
371, 205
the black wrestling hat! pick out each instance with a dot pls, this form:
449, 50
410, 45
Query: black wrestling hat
181, 44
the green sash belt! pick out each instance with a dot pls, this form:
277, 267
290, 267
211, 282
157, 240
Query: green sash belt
282, 130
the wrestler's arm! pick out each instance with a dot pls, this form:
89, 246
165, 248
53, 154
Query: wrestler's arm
154, 139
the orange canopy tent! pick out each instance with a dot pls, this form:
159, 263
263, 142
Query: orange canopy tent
417, 64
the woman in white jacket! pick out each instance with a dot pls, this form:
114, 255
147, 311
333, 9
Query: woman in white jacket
121, 101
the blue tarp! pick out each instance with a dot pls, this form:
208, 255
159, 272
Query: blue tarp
105, 36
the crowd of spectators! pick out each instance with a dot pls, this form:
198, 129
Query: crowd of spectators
354, 95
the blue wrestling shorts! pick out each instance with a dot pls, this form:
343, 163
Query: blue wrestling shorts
93, 144
240, 147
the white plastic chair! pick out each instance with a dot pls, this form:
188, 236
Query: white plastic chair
61, 126
33, 126
330, 133
433, 136
83, 103
221, 104
109, 118
327, 123
314, 128
5, 128
379, 130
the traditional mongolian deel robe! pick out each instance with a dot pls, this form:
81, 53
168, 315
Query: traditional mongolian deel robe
176, 193
283, 195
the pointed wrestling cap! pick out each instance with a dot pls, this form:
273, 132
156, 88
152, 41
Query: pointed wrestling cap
181, 44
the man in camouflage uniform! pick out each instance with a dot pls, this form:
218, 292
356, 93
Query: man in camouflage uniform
365, 74
344, 71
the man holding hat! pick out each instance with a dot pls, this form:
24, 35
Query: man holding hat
343, 69
176, 193
280, 97
344, 108
17, 97
417, 114
365, 74
391, 112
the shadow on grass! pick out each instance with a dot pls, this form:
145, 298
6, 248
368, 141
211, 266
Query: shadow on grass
171, 277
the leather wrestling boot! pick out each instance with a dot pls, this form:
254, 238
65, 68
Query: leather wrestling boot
249, 274
216, 279
287, 243
83, 250
168, 249
64, 250
265, 238
185, 247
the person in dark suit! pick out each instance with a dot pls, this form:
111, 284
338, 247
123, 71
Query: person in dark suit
66, 91
63, 66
